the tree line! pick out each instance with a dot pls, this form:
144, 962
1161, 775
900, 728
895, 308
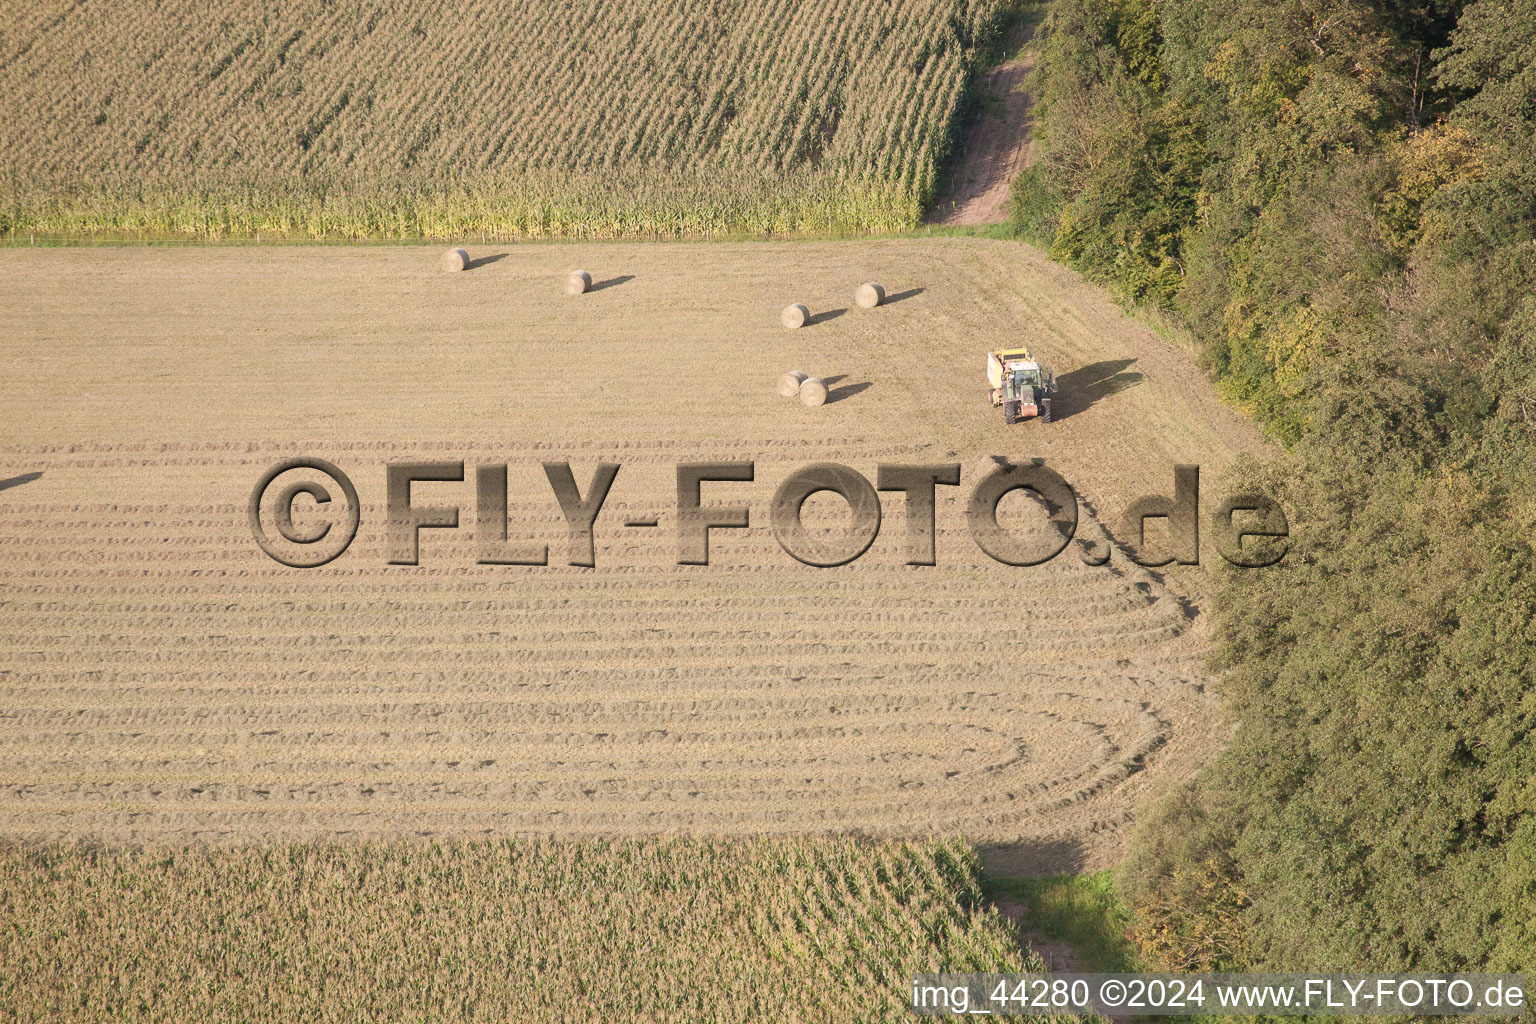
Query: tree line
1337, 199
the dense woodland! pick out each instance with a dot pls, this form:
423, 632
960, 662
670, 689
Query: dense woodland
1337, 198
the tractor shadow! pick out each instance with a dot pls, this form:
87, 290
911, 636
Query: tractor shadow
842, 391
821, 318
909, 293
1081, 388
485, 261
17, 481
612, 282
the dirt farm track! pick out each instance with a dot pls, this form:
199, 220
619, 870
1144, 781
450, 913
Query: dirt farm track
163, 681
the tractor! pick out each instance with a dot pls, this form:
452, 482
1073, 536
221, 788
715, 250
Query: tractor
1020, 385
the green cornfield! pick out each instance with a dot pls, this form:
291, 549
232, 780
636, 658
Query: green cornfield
822, 930
427, 119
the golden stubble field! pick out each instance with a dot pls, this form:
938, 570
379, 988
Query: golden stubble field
163, 681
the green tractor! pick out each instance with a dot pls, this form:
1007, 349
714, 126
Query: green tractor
1020, 385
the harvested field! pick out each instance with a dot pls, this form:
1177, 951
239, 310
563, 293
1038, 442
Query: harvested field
163, 681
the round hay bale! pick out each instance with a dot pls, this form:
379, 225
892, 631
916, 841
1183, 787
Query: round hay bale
813, 392
577, 282
869, 295
456, 259
789, 384
795, 316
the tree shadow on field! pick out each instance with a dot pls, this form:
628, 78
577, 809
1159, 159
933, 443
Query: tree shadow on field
612, 282
1031, 858
17, 481
1084, 386
821, 318
909, 293
1070, 918
1003, 865
476, 264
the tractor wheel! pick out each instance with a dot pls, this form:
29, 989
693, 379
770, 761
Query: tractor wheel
1010, 412
1045, 410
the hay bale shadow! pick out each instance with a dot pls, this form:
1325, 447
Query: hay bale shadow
17, 481
837, 394
484, 261
612, 282
821, 318
909, 293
